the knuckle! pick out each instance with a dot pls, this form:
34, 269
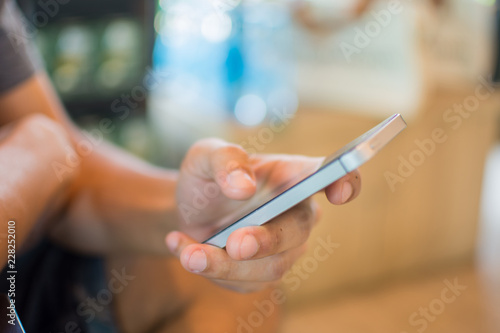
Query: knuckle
232, 151
229, 157
275, 240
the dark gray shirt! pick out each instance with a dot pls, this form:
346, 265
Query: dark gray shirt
16, 54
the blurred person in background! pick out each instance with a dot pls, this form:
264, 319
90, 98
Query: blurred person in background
111, 205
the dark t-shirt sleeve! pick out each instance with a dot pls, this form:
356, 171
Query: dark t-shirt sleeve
18, 61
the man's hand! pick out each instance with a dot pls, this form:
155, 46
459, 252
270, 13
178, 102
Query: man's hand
218, 178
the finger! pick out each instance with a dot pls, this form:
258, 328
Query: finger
345, 189
227, 164
177, 241
222, 267
285, 169
214, 263
287, 231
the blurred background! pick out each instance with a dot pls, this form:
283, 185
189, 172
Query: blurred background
420, 249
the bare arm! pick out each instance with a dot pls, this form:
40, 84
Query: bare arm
30, 192
118, 203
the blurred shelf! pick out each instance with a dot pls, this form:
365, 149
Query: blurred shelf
96, 52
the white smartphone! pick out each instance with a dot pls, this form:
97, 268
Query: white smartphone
271, 202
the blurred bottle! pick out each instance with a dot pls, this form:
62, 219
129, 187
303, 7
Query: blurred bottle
73, 59
120, 55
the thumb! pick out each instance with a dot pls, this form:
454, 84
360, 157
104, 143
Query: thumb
228, 165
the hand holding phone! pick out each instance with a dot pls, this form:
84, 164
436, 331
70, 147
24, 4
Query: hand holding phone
256, 255
273, 202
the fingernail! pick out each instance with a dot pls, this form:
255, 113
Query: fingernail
240, 179
197, 262
346, 192
248, 247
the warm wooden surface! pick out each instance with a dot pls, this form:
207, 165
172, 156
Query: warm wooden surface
388, 309
427, 221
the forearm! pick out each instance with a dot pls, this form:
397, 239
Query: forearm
31, 192
119, 203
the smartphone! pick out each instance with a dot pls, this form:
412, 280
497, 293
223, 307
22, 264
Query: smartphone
271, 202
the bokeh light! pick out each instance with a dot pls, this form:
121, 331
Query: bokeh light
250, 110
216, 27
